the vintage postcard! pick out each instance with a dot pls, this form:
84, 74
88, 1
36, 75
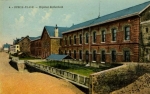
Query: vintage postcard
74, 46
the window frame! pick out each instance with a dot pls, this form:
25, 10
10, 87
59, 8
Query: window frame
125, 33
80, 54
114, 34
80, 38
86, 38
103, 36
75, 39
94, 55
94, 37
74, 54
103, 56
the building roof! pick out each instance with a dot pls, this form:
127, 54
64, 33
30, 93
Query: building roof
6, 45
16, 41
58, 57
128, 12
51, 29
34, 38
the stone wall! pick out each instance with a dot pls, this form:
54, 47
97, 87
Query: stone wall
113, 79
55, 44
72, 77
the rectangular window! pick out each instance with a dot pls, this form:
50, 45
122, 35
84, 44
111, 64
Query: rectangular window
94, 55
87, 38
113, 56
74, 54
94, 37
80, 54
113, 34
70, 40
103, 56
80, 36
127, 33
74, 39
127, 56
103, 36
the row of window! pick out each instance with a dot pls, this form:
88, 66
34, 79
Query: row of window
103, 36
103, 57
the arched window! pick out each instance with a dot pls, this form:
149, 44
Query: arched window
80, 54
74, 39
103, 56
80, 38
113, 56
87, 38
127, 33
74, 54
70, 40
114, 31
94, 55
94, 37
103, 35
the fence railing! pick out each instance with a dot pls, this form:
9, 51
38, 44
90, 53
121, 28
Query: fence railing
72, 77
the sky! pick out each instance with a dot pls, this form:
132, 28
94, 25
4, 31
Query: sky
19, 22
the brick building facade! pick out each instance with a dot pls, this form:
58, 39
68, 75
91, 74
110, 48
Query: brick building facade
110, 38
35, 47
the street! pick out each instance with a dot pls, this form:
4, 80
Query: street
15, 82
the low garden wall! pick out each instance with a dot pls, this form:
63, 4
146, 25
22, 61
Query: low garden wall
110, 80
72, 77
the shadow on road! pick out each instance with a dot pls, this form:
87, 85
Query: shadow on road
14, 65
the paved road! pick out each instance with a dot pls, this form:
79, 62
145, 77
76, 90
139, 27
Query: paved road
14, 82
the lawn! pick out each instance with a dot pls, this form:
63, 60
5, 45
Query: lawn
76, 68
27, 58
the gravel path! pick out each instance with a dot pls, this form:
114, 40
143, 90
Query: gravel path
14, 82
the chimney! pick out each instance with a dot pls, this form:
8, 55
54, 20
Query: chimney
56, 31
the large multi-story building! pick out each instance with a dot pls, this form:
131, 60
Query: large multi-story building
111, 38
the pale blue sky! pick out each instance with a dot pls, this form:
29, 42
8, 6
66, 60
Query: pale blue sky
19, 22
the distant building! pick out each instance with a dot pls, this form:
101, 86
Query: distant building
14, 49
35, 47
6, 47
111, 38
24, 44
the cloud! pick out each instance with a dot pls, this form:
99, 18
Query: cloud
33, 12
20, 20
46, 16
66, 17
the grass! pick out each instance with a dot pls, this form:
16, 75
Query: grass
76, 68
28, 58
